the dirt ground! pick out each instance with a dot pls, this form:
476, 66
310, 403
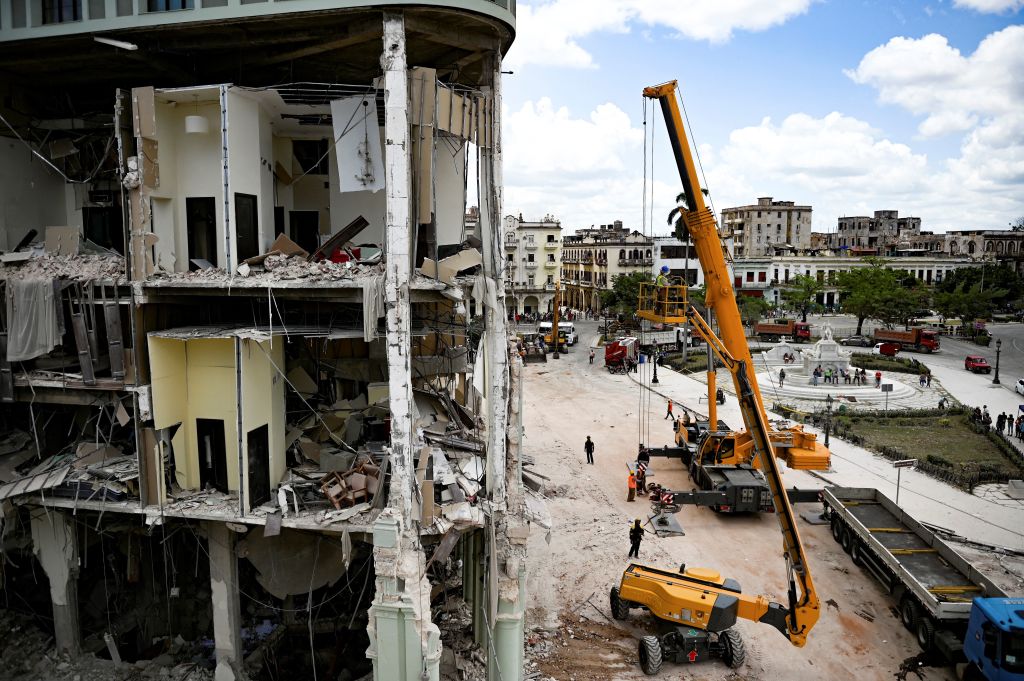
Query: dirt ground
571, 634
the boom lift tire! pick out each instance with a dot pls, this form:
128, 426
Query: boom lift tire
909, 613
650, 655
925, 633
620, 609
734, 654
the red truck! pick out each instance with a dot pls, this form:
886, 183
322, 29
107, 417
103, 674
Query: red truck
621, 354
918, 339
799, 332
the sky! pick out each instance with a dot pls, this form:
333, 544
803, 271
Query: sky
849, 106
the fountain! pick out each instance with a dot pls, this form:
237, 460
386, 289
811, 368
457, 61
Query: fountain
826, 353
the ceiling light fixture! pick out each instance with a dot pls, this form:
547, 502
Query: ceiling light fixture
116, 43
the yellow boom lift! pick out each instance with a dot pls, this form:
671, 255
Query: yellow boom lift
696, 607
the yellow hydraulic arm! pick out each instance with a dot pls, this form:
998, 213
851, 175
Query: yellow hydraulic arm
730, 345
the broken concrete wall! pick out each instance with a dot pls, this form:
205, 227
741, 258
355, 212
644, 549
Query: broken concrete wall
27, 192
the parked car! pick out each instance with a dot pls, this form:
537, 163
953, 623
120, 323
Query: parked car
1020, 386
887, 349
977, 364
859, 341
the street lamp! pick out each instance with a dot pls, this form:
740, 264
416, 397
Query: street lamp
999, 347
828, 416
654, 379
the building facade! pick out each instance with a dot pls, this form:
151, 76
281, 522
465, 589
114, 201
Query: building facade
767, 277
681, 259
533, 252
885, 233
594, 256
1002, 246
235, 238
767, 227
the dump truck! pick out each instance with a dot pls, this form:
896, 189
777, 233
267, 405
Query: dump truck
917, 339
798, 332
954, 611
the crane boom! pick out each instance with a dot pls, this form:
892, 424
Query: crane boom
730, 345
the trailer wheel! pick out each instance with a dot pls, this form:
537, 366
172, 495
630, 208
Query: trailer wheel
857, 553
733, 652
908, 613
650, 655
925, 633
620, 609
837, 529
847, 540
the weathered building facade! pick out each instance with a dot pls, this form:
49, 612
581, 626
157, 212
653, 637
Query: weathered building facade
533, 252
767, 226
594, 256
238, 335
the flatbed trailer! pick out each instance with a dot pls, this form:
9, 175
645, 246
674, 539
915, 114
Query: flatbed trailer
932, 584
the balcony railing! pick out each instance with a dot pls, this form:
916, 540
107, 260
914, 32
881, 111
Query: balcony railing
511, 244
635, 262
551, 245
531, 245
550, 263
530, 265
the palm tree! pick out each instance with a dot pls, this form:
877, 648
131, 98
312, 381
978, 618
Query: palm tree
675, 216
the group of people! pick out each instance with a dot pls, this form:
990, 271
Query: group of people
788, 357
836, 375
1004, 424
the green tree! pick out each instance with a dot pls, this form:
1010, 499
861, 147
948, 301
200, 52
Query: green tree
752, 308
625, 292
989, 277
675, 216
1018, 224
800, 294
967, 303
862, 289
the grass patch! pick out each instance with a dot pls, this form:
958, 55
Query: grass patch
883, 363
949, 442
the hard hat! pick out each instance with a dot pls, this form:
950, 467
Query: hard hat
665, 269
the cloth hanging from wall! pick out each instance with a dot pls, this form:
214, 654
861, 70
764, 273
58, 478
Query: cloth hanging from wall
357, 143
373, 305
33, 328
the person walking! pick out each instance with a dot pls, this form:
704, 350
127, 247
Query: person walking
782, 377
588, 447
1000, 422
636, 535
631, 487
668, 414
591, 355
928, 379
878, 379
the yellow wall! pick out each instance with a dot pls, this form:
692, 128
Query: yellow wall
263, 401
196, 379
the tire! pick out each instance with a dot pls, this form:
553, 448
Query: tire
909, 613
650, 655
847, 540
734, 654
925, 633
837, 529
620, 609
857, 553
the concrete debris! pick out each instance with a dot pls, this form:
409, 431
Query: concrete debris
83, 268
275, 268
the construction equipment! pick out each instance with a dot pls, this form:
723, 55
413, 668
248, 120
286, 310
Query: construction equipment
916, 339
621, 355
800, 332
697, 607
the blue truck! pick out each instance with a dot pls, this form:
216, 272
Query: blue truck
955, 612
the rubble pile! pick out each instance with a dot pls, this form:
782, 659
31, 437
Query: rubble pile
275, 269
83, 268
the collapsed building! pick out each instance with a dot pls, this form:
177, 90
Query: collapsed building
260, 418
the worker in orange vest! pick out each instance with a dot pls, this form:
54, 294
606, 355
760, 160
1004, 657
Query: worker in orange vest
669, 414
631, 483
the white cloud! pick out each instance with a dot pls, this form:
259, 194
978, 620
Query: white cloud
584, 170
990, 6
549, 32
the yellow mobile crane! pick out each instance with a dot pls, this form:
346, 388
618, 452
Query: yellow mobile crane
697, 607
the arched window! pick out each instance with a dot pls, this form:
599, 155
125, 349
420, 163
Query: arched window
989, 247
622, 254
970, 247
648, 253
999, 247
954, 248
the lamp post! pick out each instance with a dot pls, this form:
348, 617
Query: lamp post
654, 379
828, 416
999, 347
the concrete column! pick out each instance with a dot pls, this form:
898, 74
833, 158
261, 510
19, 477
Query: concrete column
227, 617
56, 546
404, 644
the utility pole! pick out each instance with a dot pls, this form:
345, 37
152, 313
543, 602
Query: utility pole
554, 320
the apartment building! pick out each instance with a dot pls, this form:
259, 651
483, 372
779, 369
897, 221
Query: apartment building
767, 227
533, 252
594, 256
241, 425
681, 259
882, 234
